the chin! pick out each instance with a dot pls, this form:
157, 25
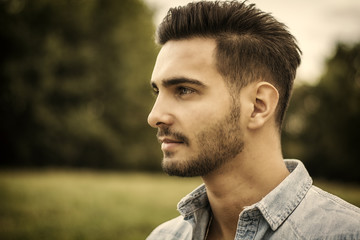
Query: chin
175, 167
183, 168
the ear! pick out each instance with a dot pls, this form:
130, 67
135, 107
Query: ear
265, 100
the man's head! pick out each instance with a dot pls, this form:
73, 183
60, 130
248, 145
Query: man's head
197, 119
251, 45
220, 71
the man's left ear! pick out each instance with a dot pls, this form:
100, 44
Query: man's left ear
265, 101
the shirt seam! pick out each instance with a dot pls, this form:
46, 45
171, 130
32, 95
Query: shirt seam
295, 230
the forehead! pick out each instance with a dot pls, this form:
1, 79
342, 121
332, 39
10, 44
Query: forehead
191, 58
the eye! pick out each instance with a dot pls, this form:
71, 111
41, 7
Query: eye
184, 90
155, 91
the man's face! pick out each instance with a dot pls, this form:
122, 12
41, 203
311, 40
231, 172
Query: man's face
197, 119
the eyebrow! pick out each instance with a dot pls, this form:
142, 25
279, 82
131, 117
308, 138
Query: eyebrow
179, 80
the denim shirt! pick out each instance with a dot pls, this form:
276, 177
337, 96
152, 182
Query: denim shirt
295, 209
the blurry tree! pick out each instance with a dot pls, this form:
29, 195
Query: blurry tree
74, 83
322, 125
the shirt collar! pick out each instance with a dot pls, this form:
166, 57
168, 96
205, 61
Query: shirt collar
194, 201
275, 206
283, 200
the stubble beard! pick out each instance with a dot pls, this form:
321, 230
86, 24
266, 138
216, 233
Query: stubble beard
218, 144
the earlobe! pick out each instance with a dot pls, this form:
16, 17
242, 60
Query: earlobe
265, 101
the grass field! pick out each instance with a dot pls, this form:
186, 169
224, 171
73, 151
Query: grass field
97, 205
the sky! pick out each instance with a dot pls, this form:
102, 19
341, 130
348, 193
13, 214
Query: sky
316, 24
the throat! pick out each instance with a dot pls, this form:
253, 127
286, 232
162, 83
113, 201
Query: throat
229, 192
215, 232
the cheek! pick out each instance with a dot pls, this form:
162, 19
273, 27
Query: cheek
198, 119
194, 116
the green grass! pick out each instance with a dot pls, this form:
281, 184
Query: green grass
97, 205
86, 205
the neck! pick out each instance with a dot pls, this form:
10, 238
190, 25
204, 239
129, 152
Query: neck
242, 182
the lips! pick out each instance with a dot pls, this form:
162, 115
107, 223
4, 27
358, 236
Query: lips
171, 141
168, 144
168, 140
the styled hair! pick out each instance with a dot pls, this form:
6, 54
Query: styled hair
251, 45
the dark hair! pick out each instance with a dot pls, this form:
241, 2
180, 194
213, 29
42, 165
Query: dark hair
251, 44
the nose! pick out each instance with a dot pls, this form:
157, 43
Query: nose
160, 114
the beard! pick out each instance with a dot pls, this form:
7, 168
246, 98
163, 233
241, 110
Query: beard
217, 144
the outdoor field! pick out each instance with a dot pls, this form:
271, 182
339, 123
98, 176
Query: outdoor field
54, 204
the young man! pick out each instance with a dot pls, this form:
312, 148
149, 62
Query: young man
223, 79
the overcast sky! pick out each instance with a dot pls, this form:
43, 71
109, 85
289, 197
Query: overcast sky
317, 25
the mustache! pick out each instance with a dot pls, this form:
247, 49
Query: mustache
166, 132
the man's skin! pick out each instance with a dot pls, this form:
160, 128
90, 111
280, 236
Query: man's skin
191, 97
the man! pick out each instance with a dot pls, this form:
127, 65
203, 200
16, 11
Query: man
223, 79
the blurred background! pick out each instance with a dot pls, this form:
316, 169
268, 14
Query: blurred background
77, 158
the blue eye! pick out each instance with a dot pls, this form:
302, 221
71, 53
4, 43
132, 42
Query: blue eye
184, 90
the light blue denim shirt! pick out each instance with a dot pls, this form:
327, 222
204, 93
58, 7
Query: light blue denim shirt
295, 209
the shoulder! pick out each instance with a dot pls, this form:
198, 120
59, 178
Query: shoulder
176, 228
329, 205
322, 215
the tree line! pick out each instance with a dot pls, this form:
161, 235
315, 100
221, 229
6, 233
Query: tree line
74, 84
322, 125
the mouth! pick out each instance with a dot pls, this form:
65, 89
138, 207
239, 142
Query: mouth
168, 144
169, 140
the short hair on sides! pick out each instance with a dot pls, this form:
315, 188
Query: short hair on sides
251, 45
